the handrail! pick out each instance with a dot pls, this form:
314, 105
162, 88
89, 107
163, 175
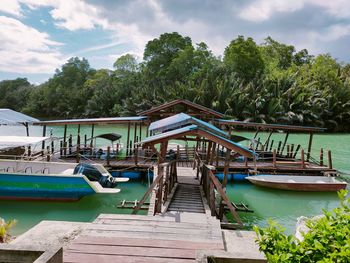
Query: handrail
163, 185
209, 183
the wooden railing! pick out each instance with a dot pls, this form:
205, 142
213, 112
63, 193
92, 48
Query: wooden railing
163, 184
210, 183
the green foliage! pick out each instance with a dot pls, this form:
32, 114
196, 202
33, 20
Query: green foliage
271, 82
244, 58
4, 229
328, 238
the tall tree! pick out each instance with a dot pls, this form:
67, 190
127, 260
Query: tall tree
244, 58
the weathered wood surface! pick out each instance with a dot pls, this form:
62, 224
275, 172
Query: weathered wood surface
135, 238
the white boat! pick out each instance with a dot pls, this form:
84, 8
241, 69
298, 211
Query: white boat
298, 183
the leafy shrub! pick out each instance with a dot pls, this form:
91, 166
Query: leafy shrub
328, 238
4, 229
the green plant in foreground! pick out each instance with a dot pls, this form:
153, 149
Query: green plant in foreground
328, 238
4, 229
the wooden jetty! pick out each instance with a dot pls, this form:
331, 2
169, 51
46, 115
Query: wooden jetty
180, 225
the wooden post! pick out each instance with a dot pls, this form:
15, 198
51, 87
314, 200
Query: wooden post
224, 182
274, 158
92, 134
302, 159
85, 141
135, 137
128, 140
140, 131
136, 154
271, 145
266, 144
212, 154
43, 142
288, 150
296, 151
26, 124
321, 157
61, 148
70, 142
108, 155
309, 147
29, 151
245, 161
208, 152
330, 164
47, 153
78, 148
279, 147
285, 141
212, 199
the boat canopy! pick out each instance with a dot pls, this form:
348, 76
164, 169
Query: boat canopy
17, 141
109, 136
11, 117
181, 120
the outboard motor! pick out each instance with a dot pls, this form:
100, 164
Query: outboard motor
93, 174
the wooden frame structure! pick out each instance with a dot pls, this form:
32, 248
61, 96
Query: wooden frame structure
181, 105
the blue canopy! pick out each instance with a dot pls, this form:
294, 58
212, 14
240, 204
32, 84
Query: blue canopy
180, 120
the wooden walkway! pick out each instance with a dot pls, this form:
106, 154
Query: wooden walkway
176, 236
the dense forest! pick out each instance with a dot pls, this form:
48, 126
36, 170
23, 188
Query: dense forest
270, 82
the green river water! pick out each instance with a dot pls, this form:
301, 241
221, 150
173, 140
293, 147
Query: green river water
283, 206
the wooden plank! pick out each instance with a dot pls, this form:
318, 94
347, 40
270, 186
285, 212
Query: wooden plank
132, 251
93, 258
149, 243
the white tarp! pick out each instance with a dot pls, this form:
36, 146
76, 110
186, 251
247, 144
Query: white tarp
15, 141
11, 117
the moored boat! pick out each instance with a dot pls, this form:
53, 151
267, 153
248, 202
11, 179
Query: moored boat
298, 183
54, 181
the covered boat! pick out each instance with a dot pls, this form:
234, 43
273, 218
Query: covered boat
54, 181
298, 183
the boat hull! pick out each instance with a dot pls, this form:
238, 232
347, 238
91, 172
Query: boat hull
298, 186
43, 187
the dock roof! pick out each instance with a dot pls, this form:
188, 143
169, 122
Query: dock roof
109, 120
265, 126
180, 120
11, 117
195, 130
195, 109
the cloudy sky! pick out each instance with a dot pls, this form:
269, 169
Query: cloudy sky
38, 36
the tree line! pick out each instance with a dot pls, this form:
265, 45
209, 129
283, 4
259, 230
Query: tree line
270, 82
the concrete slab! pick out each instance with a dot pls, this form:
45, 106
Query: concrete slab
48, 234
241, 244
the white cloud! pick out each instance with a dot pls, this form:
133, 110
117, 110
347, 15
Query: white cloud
10, 7
262, 10
24, 49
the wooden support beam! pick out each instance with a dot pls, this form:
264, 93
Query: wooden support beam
330, 163
285, 141
321, 157
309, 146
274, 158
65, 140
302, 159
208, 152
225, 198
128, 140
43, 142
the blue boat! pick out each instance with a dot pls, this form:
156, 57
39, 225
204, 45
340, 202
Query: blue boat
31, 180
232, 176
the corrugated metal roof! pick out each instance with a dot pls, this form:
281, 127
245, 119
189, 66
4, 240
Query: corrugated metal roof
169, 133
172, 122
11, 117
203, 132
109, 120
181, 119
